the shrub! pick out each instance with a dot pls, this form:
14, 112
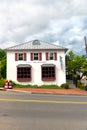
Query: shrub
16, 85
12, 83
65, 86
80, 85
53, 86
2, 81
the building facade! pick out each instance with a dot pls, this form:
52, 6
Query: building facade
36, 63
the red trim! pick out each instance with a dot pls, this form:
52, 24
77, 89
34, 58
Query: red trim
23, 79
24, 56
31, 56
48, 79
46, 55
16, 56
55, 56
40, 56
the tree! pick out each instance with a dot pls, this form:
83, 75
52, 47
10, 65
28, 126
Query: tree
74, 63
2, 63
2, 54
78, 62
3, 67
84, 68
70, 63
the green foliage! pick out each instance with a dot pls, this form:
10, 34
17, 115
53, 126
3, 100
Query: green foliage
78, 62
65, 86
70, 64
74, 62
80, 85
2, 81
2, 64
19, 85
70, 56
15, 85
2, 54
53, 86
84, 68
3, 67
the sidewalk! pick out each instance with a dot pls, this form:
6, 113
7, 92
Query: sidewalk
72, 91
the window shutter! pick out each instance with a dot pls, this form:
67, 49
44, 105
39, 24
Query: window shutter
55, 56
40, 56
46, 55
24, 56
31, 56
16, 56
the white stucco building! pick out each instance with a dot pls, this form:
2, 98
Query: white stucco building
37, 63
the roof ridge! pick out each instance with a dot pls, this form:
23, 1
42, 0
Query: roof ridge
30, 45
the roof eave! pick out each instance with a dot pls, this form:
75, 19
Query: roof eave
63, 49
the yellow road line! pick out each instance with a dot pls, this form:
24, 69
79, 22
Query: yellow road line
41, 101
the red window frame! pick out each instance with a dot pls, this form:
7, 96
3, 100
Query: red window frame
17, 57
48, 73
48, 56
24, 74
33, 58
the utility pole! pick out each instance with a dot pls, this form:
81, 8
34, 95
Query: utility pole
85, 45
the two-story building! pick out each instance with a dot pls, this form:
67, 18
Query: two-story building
36, 63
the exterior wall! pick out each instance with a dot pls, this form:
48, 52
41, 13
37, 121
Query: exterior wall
36, 68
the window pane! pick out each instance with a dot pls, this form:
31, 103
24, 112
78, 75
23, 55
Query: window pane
35, 56
51, 56
20, 56
48, 72
23, 72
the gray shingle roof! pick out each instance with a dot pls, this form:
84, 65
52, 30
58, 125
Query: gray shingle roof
36, 45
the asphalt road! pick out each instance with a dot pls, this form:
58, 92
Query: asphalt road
24, 111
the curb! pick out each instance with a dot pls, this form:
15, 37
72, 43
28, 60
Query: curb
51, 93
31, 92
2, 89
21, 91
58, 93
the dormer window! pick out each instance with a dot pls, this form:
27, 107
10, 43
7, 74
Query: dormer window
36, 42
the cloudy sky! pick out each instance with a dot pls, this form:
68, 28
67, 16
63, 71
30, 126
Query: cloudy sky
61, 22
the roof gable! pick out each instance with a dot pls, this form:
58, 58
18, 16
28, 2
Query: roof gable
36, 45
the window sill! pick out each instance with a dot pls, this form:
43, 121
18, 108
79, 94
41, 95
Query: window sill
24, 79
48, 79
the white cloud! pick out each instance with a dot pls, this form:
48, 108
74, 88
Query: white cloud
63, 22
